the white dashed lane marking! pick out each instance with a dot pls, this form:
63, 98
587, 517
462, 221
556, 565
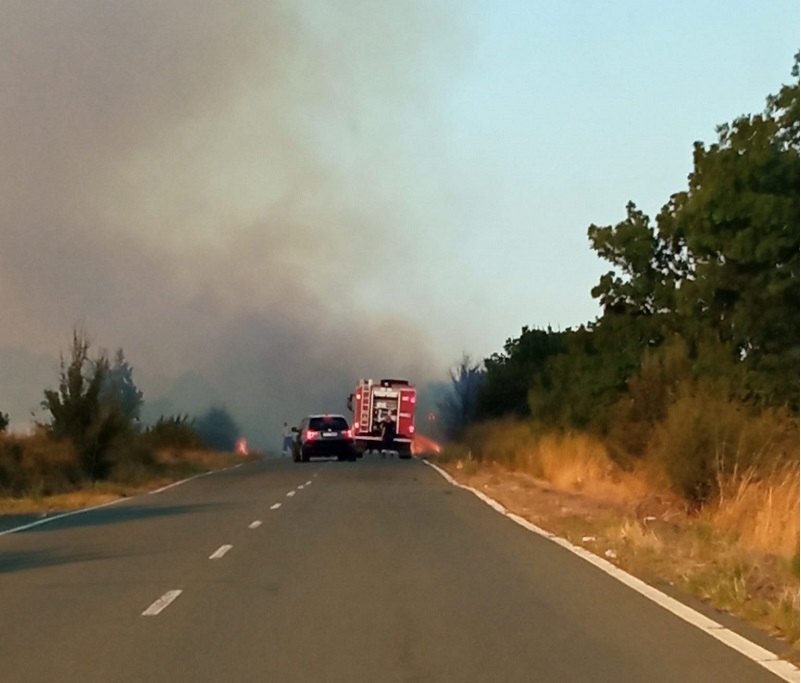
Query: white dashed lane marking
290, 494
275, 506
217, 554
255, 524
161, 603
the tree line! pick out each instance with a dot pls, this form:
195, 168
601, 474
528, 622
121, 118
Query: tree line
95, 430
699, 330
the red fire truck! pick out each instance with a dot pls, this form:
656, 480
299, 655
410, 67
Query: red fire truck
371, 402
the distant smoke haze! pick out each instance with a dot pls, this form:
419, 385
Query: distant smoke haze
223, 188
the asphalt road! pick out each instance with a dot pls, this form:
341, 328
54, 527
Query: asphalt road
371, 571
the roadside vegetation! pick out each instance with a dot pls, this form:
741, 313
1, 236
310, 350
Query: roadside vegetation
680, 403
94, 448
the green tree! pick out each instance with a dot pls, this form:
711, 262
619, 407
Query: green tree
646, 267
79, 411
577, 387
738, 226
458, 406
217, 429
176, 431
119, 387
721, 266
509, 375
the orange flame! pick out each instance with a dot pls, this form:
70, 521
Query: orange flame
422, 444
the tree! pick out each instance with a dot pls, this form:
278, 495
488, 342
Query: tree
647, 267
79, 411
217, 429
576, 387
510, 375
176, 431
458, 406
119, 387
4, 422
738, 225
721, 267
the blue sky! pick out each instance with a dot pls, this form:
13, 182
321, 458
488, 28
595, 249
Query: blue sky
565, 111
279, 198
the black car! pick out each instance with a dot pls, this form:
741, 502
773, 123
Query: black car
323, 436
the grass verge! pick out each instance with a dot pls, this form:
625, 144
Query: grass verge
738, 554
170, 465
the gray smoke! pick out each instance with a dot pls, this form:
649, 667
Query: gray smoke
225, 189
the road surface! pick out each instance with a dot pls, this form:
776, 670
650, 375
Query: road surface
377, 570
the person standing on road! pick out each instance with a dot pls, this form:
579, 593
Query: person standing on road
388, 436
287, 445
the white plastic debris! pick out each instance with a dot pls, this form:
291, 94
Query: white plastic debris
611, 554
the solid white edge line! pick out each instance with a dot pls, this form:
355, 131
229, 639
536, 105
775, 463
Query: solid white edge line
754, 652
46, 520
217, 554
178, 483
160, 604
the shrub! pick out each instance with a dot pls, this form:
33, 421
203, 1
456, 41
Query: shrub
37, 466
762, 509
177, 431
84, 413
707, 437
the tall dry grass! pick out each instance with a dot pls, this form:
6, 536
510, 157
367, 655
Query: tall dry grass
762, 510
570, 462
739, 549
760, 506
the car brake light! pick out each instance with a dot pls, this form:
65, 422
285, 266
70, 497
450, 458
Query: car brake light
348, 433
311, 435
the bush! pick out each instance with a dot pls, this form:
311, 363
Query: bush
706, 438
133, 460
37, 466
217, 429
85, 410
177, 431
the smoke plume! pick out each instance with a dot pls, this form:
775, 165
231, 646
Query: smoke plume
225, 189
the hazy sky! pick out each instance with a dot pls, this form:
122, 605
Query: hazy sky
281, 197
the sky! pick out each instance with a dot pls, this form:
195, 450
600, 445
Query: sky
263, 201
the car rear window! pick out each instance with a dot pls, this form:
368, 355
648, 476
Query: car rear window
328, 422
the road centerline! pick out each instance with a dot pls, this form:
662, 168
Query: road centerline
217, 554
162, 603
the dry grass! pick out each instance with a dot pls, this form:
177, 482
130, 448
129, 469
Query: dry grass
763, 511
569, 462
740, 553
199, 459
174, 464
